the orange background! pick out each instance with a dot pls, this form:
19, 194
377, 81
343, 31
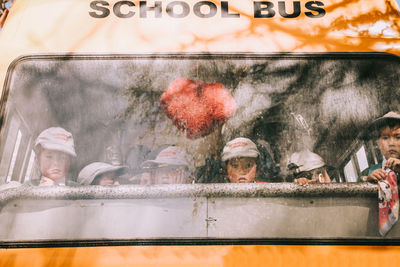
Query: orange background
204, 256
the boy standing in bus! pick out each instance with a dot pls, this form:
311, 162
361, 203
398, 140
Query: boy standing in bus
240, 156
387, 131
54, 149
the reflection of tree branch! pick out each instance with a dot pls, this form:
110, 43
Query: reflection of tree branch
270, 34
137, 98
308, 34
3, 17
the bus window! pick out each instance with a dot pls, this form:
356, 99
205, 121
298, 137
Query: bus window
17, 152
350, 172
29, 169
144, 113
14, 156
362, 158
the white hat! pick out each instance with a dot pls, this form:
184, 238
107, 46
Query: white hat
172, 155
240, 147
305, 161
91, 171
56, 138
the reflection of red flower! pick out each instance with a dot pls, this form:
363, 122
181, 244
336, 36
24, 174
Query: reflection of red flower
197, 107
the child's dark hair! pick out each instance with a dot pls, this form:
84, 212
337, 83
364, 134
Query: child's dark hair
392, 124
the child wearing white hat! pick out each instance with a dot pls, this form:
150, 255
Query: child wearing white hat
386, 131
171, 166
54, 149
308, 167
100, 173
240, 156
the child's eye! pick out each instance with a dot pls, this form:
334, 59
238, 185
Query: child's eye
249, 165
235, 165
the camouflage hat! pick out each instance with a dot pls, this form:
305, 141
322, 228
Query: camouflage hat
91, 171
305, 161
56, 138
240, 147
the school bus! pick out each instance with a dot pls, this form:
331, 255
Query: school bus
304, 75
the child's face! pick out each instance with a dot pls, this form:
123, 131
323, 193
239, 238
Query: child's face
108, 178
54, 164
242, 170
170, 175
389, 142
146, 179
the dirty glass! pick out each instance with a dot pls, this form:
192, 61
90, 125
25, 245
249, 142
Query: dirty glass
112, 108
115, 107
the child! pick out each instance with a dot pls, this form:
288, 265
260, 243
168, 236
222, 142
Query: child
54, 149
308, 167
100, 173
387, 131
240, 156
169, 167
